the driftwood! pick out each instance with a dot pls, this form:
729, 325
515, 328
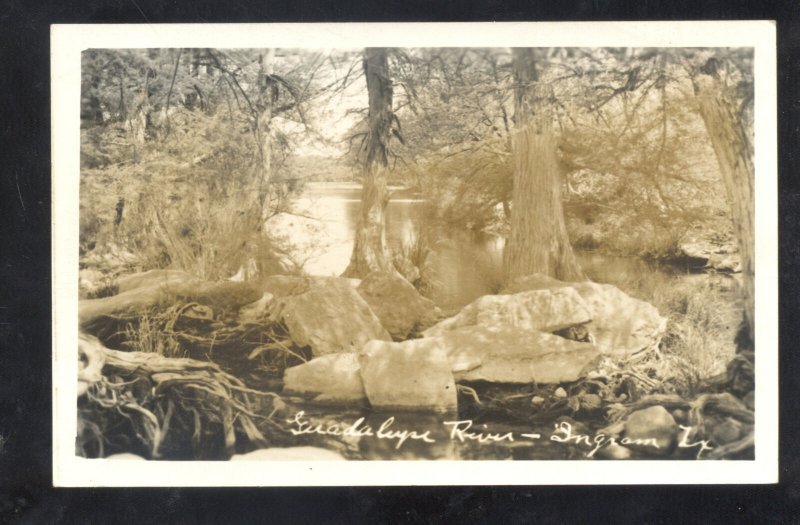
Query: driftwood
149, 390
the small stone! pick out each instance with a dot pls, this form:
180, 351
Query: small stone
750, 400
575, 427
537, 400
590, 402
652, 425
614, 451
727, 432
560, 393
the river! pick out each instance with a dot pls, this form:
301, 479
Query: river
465, 266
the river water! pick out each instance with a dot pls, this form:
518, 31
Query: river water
465, 265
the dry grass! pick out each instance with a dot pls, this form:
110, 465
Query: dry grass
153, 334
702, 315
413, 261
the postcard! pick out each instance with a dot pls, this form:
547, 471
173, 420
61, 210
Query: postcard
414, 254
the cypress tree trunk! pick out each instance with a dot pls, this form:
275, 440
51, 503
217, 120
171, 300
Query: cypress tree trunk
369, 250
538, 242
268, 89
733, 147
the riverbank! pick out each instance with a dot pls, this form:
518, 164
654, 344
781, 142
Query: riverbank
286, 362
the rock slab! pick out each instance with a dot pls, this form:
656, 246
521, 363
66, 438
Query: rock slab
508, 354
621, 325
332, 378
399, 306
327, 315
546, 310
413, 375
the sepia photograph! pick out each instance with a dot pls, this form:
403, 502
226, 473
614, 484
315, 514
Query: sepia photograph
488, 251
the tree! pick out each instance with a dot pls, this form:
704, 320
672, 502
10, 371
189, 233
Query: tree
538, 242
268, 95
725, 105
370, 252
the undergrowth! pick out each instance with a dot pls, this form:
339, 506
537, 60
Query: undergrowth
414, 262
702, 316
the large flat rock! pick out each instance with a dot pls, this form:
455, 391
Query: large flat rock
412, 375
547, 310
508, 354
326, 314
621, 325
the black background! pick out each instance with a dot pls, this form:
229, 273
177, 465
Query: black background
26, 494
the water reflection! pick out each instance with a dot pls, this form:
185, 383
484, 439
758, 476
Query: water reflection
465, 265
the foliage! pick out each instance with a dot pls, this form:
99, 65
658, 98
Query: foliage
639, 169
189, 193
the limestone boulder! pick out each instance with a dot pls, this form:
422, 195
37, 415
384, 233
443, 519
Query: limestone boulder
508, 354
546, 310
327, 315
332, 378
399, 306
621, 325
412, 375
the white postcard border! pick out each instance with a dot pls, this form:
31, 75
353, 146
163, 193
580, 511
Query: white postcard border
67, 42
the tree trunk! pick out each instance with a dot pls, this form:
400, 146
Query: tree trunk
538, 242
733, 146
369, 249
140, 122
268, 88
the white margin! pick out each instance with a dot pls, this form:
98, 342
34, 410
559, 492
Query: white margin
67, 42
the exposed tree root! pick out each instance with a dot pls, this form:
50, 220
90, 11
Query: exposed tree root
165, 401
698, 412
